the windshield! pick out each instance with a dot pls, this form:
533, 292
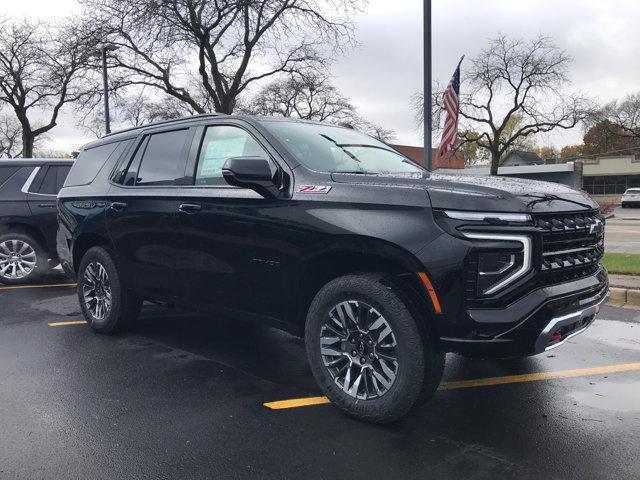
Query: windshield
327, 148
634, 191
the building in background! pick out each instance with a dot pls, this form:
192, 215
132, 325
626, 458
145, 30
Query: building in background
607, 178
517, 158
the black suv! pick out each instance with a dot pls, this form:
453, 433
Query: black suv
332, 235
28, 217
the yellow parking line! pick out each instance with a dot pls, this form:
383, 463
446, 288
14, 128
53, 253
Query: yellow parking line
63, 324
16, 287
534, 377
296, 402
480, 382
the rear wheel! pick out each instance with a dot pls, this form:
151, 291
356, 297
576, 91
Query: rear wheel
366, 349
22, 259
107, 305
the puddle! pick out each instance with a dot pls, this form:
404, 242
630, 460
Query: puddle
611, 397
619, 334
67, 305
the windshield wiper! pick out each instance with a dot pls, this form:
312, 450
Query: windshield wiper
342, 145
356, 172
547, 197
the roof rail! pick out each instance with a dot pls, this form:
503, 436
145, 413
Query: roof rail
163, 122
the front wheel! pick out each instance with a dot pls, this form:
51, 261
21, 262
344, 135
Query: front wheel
367, 351
106, 303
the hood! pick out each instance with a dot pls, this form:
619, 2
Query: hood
483, 193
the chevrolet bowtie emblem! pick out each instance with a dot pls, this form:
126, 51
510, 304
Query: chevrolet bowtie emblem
596, 227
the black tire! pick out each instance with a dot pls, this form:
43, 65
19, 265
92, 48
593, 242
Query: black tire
419, 363
40, 258
124, 306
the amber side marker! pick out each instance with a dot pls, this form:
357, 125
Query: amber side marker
430, 290
481, 382
55, 285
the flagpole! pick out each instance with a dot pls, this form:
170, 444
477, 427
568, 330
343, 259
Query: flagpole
427, 84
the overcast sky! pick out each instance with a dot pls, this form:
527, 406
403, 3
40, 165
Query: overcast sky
382, 73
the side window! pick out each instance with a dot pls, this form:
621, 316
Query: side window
130, 175
45, 182
164, 160
88, 164
219, 144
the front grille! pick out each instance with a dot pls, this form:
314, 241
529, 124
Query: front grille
572, 245
566, 248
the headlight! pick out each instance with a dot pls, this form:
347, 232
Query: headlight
496, 270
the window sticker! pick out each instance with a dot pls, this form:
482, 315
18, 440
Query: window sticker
217, 153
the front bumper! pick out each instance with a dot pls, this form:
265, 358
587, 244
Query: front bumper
560, 329
540, 320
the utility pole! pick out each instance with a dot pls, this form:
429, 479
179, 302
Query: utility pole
427, 85
103, 49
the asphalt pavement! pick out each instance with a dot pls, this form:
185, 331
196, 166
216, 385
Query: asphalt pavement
622, 233
183, 396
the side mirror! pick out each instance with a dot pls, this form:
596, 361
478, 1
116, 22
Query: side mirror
250, 172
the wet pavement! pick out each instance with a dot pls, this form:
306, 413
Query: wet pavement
181, 396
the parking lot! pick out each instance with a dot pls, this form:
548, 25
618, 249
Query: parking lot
183, 396
623, 231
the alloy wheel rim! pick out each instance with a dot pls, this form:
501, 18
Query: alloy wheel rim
96, 290
17, 259
358, 348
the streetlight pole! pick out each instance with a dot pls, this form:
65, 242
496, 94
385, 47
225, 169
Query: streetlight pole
103, 49
427, 85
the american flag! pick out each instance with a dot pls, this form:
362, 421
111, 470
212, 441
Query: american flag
451, 104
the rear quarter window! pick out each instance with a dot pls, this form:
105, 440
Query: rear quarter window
90, 162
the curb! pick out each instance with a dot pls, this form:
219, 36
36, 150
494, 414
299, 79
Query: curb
624, 297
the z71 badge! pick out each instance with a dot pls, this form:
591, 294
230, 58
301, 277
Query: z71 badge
322, 189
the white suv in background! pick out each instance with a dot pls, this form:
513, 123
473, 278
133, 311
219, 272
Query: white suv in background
631, 197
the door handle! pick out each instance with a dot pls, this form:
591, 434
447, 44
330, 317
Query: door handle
47, 205
118, 206
190, 207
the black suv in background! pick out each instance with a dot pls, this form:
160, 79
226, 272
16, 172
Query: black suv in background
332, 235
28, 217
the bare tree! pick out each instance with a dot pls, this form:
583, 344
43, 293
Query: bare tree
312, 97
133, 110
624, 116
231, 43
41, 68
417, 105
515, 89
10, 136
383, 134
